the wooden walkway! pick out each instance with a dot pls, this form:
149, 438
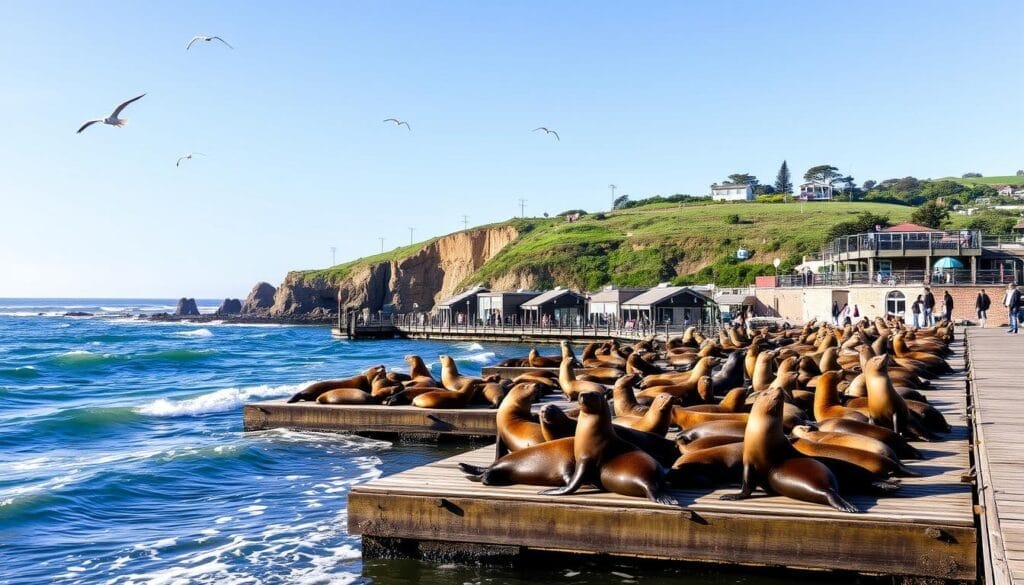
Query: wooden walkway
996, 382
378, 419
927, 530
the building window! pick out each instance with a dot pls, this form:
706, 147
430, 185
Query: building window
895, 303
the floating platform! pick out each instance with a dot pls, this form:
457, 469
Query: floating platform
378, 419
925, 530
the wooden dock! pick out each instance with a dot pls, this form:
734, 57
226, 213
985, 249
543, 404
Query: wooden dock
995, 378
378, 419
927, 530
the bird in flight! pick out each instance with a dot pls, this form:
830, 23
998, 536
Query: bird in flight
187, 157
207, 39
112, 119
546, 131
398, 122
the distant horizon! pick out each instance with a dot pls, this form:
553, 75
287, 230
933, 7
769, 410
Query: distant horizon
659, 98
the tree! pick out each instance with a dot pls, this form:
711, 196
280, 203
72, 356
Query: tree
743, 179
783, 182
930, 214
620, 202
822, 174
1020, 173
863, 222
869, 185
971, 176
764, 190
849, 185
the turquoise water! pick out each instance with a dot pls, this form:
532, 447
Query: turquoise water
122, 456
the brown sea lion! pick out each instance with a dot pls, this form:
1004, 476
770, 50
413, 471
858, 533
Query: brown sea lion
573, 387
540, 361
763, 375
347, 396
657, 419
685, 419
862, 442
842, 425
601, 375
826, 400
516, 425
362, 382
556, 424
886, 408
770, 461
419, 373
707, 443
734, 401
635, 364
711, 466
609, 462
876, 464
547, 464
732, 428
624, 399
451, 379
449, 398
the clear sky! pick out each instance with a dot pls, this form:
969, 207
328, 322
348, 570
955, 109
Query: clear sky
657, 98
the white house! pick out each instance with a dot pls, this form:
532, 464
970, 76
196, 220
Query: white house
816, 191
732, 192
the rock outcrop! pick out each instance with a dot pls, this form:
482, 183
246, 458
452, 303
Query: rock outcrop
260, 299
415, 282
229, 307
186, 308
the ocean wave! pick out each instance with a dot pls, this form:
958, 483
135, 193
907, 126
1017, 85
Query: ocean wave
476, 358
21, 373
347, 443
221, 400
81, 357
195, 333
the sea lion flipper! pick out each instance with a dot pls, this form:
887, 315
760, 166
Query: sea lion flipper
837, 502
500, 448
473, 472
748, 486
572, 485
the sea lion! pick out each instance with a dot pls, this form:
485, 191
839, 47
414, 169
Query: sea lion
601, 375
770, 461
826, 400
715, 428
763, 376
573, 387
703, 367
686, 394
362, 382
734, 401
449, 398
685, 419
606, 460
708, 467
556, 424
862, 442
347, 396
843, 425
656, 420
547, 464
419, 373
494, 393
624, 399
635, 364
707, 443
539, 361
517, 428
732, 373
450, 377
880, 465
886, 408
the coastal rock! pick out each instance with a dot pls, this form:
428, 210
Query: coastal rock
229, 307
260, 299
186, 308
416, 282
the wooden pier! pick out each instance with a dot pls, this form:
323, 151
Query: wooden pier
926, 530
379, 419
998, 409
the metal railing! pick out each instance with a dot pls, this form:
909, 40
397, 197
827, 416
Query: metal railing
897, 278
594, 328
927, 242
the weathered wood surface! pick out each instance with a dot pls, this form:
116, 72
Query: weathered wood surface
995, 375
372, 418
926, 530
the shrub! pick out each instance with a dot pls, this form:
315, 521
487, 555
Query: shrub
732, 219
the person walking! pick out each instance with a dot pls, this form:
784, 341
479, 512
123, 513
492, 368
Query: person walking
1012, 302
981, 305
835, 312
915, 310
844, 315
947, 304
929, 307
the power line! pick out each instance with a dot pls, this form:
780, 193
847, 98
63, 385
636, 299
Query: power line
381, 245
411, 230
465, 222
522, 207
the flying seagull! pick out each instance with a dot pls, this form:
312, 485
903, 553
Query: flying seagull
398, 122
112, 119
547, 132
207, 39
187, 157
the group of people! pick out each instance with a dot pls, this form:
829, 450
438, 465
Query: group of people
923, 308
845, 315
1012, 302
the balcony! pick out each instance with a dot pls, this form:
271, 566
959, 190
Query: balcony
894, 244
896, 278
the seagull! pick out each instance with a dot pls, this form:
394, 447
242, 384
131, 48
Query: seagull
187, 157
547, 132
207, 39
112, 119
398, 122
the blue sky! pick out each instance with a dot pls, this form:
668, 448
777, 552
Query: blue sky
658, 98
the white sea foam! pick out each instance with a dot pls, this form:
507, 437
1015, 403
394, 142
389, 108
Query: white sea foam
480, 358
219, 401
195, 333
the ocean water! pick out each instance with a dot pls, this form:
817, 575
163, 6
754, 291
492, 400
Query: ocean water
122, 456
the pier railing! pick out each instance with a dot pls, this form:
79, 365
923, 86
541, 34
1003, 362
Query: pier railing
897, 278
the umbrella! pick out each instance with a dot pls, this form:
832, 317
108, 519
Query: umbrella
948, 263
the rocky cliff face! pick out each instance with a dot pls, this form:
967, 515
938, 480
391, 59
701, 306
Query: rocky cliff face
415, 282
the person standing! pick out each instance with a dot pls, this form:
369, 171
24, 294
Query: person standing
835, 312
929, 307
1012, 302
915, 310
947, 304
981, 305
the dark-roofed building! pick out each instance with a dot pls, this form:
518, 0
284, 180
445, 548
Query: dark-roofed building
559, 307
455, 309
502, 307
606, 304
670, 305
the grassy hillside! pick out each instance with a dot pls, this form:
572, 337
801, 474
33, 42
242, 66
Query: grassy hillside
1007, 180
694, 243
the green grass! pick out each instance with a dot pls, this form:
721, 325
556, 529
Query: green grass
1007, 180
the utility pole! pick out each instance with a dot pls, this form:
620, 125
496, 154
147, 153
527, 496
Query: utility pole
613, 187
465, 222
522, 207
381, 245
333, 250
411, 230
